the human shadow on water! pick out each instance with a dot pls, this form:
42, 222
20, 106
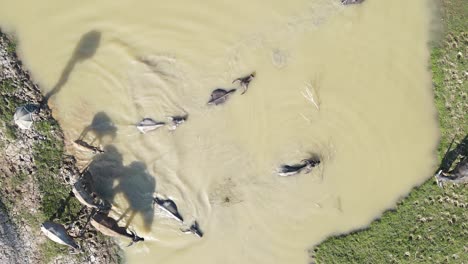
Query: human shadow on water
111, 177
85, 49
101, 126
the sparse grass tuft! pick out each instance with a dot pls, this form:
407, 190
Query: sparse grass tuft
48, 155
18, 179
8, 106
7, 86
10, 132
11, 48
11, 43
56, 200
50, 250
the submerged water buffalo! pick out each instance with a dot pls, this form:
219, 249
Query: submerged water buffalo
220, 96
305, 165
245, 81
170, 207
86, 198
109, 226
177, 121
148, 124
194, 229
351, 2
82, 191
57, 233
81, 144
82, 195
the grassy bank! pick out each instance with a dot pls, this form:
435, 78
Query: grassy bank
25, 207
431, 224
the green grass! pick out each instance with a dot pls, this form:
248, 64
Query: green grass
7, 86
33, 220
8, 106
455, 14
19, 179
10, 132
11, 47
431, 224
49, 250
48, 155
56, 201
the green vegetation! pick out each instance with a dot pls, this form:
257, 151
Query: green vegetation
55, 201
48, 155
18, 180
7, 86
50, 250
430, 225
11, 48
8, 106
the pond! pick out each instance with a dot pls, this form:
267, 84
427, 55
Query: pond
349, 85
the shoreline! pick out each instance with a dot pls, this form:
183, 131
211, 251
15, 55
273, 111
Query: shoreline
48, 130
426, 226
35, 177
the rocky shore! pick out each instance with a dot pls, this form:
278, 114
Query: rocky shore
35, 177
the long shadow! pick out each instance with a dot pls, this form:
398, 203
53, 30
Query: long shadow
138, 187
101, 126
461, 149
110, 177
85, 49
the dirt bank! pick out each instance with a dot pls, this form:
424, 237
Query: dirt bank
34, 178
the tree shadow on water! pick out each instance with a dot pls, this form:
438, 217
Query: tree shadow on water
101, 126
111, 177
85, 49
460, 150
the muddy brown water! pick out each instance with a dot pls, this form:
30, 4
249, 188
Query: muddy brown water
370, 116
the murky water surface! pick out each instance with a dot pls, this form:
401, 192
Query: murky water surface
107, 64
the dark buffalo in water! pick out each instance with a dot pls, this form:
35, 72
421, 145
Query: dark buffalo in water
177, 121
149, 124
305, 165
194, 229
220, 96
245, 81
170, 207
82, 144
109, 226
351, 2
